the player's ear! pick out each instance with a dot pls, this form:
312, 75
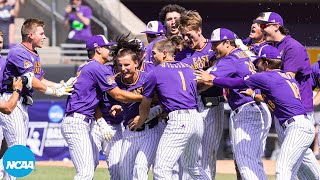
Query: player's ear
199, 31
165, 53
98, 50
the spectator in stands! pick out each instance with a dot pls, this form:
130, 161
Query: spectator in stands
7, 15
78, 20
169, 16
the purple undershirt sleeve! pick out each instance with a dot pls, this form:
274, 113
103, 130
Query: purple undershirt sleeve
230, 83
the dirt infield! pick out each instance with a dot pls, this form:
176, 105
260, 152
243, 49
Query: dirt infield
223, 166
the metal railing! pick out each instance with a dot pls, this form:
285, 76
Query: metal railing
73, 52
56, 14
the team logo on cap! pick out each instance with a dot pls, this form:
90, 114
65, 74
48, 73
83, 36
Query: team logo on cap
150, 25
95, 45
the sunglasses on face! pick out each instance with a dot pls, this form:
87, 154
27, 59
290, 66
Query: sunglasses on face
263, 26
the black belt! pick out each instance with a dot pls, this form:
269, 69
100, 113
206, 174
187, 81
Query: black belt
289, 121
86, 119
151, 124
212, 101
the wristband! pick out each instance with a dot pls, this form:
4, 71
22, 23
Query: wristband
49, 91
18, 91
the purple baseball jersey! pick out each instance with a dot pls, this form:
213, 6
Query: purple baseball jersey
255, 48
175, 84
21, 60
295, 59
107, 102
93, 79
200, 59
280, 92
78, 30
147, 66
316, 75
131, 110
149, 57
2, 66
236, 64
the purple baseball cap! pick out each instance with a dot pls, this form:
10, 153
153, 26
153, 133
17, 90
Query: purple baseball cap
155, 27
269, 52
222, 34
271, 17
98, 41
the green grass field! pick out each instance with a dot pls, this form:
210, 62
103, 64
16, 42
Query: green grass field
64, 173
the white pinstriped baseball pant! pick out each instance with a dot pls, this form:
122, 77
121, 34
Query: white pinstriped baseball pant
138, 152
76, 132
110, 149
15, 125
213, 129
181, 138
249, 126
298, 136
309, 168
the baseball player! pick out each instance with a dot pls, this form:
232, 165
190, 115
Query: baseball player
297, 63
199, 55
93, 79
256, 37
23, 60
249, 121
183, 132
139, 146
106, 133
316, 99
280, 91
169, 17
155, 32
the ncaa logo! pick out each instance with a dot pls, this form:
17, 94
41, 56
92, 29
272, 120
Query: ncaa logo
18, 161
55, 113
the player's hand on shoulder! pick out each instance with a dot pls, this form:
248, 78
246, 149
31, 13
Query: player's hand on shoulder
247, 92
204, 76
135, 123
115, 110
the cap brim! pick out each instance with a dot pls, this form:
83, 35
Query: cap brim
211, 41
261, 22
152, 32
110, 43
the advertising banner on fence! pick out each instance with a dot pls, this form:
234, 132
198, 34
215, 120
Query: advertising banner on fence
44, 138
